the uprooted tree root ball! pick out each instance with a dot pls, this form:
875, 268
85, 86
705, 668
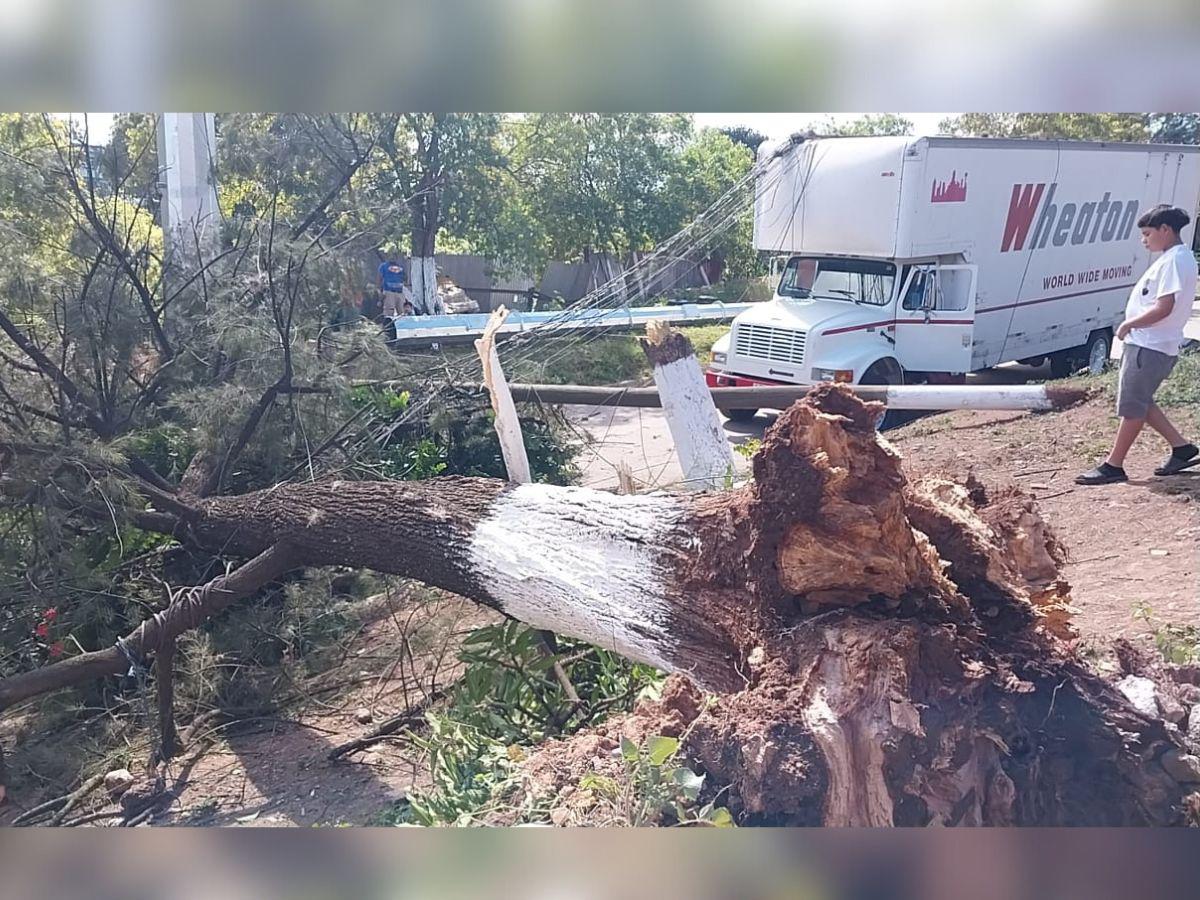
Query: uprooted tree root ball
908, 659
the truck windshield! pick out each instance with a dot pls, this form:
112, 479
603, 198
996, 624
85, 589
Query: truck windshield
826, 278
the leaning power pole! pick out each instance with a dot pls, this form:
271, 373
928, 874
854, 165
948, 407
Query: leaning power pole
187, 159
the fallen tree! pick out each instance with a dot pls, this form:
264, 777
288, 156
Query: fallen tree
884, 652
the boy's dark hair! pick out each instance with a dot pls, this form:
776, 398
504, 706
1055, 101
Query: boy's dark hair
1165, 214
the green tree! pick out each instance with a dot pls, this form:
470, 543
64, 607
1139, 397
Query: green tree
595, 180
1066, 126
746, 136
868, 125
704, 170
441, 163
1175, 128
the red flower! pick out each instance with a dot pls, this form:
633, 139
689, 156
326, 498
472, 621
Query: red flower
50, 615
56, 649
42, 630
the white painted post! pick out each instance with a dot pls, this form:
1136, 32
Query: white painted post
704, 454
508, 426
191, 219
424, 284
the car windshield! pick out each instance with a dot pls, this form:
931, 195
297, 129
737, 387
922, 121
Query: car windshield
825, 278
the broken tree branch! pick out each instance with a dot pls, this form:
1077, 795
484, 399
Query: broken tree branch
192, 607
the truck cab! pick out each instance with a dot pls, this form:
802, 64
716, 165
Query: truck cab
853, 320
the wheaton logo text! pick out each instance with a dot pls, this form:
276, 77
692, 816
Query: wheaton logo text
1084, 223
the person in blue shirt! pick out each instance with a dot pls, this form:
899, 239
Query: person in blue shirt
391, 283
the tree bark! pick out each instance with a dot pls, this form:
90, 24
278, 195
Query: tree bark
886, 652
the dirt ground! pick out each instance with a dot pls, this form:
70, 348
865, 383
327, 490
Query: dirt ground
275, 770
1129, 543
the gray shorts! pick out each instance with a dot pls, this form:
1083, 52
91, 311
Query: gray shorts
1142, 371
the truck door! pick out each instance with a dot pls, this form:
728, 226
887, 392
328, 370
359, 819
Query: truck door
935, 319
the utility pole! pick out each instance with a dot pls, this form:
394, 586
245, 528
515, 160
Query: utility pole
187, 156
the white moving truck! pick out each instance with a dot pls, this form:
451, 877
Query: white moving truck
921, 259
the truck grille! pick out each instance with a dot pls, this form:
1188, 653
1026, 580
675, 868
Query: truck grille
764, 342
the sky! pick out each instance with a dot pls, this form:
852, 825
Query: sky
773, 125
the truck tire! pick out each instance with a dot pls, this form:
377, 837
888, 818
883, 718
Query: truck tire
1096, 351
1064, 363
886, 371
740, 415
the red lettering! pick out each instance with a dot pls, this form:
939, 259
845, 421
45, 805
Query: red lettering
1021, 207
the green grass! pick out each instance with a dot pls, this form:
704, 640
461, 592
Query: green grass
1183, 387
612, 359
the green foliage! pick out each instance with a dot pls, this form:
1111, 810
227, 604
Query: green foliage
509, 688
382, 401
460, 441
1175, 128
612, 359
1069, 126
744, 135
659, 788
1182, 388
507, 698
471, 775
167, 448
595, 179
868, 125
1179, 644
748, 448
609, 359
707, 167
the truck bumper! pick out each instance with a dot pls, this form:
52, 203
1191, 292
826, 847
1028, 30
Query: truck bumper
728, 379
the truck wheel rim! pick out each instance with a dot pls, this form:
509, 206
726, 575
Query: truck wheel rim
1098, 357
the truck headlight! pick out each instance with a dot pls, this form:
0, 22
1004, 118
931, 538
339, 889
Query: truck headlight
839, 376
718, 357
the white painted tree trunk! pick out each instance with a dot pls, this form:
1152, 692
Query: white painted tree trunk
704, 454
508, 425
588, 564
424, 285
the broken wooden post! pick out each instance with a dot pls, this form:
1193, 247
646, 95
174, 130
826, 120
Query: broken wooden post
508, 425
704, 454
516, 461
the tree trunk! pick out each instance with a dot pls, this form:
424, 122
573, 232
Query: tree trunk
889, 653
425, 214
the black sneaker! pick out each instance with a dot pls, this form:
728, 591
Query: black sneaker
1181, 458
1102, 474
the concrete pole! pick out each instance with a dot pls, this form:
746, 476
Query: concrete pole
187, 158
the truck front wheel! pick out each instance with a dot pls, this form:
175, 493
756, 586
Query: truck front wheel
882, 373
740, 415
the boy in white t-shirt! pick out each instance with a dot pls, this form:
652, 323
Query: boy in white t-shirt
1159, 307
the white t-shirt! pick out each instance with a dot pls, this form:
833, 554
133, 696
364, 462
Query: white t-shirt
1172, 273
